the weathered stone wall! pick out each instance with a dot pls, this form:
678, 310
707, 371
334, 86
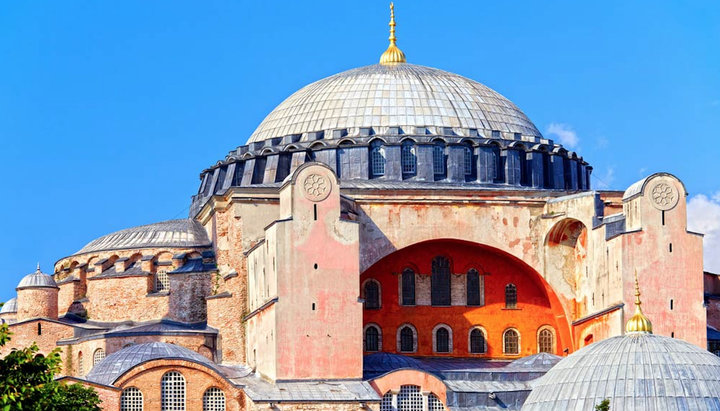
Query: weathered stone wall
187, 296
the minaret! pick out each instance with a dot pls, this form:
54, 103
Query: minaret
638, 323
393, 55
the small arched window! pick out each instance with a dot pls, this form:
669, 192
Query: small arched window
468, 163
473, 287
214, 399
372, 339
440, 281
98, 356
477, 341
162, 281
372, 294
377, 159
408, 159
408, 287
172, 391
131, 399
510, 296
511, 342
407, 339
439, 158
546, 341
81, 366
442, 340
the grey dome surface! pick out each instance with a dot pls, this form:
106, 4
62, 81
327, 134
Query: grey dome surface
118, 363
10, 306
638, 371
37, 279
401, 95
172, 233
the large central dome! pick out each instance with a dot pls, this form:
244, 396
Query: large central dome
400, 95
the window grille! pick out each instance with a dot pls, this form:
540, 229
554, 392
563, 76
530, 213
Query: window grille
371, 339
510, 296
442, 340
377, 160
408, 159
172, 392
545, 341
214, 399
511, 342
410, 398
407, 337
162, 281
98, 356
372, 295
386, 403
440, 281
473, 287
434, 403
131, 400
408, 287
81, 367
439, 159
477, 341
468, 161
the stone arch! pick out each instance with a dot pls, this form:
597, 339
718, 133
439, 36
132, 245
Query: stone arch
427, 382
566, 257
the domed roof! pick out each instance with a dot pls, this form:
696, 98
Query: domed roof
10, 306
398, 95
638, 371
37, 279
118, 363
172, 233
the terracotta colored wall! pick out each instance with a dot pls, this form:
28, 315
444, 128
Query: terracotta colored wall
123, 299
535, 308
713, 313
24, 334
37, 302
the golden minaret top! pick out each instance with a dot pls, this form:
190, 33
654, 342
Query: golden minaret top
638, 322
393, 55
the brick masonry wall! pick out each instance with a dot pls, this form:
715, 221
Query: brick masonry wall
123, 299
37, 302
24, 334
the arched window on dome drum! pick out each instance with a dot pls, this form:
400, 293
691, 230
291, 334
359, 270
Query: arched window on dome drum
440, 281
172, 392
408, 159
372, 294
442, 340
473, 287
511, 342
468, 162
407, 339
131, 399
477, 341
98, 356
510, 296
497, 163
214, 399
545, 341
408, 287
547, 170
525, 168
439, 159
377, 159
372, 336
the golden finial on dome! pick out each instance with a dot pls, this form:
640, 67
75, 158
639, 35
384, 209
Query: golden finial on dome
393, 55
638, 323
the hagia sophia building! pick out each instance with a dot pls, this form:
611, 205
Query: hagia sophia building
393, 238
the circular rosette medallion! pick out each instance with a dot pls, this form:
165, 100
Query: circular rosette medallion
316, 187
664, 196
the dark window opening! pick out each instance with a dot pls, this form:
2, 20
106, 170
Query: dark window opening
372, 339
239, 171
662, 213
408, 159
372, 295
439, 160
473, 287
377, 159
283, 167
39, 328
442, 340
259, 170
313, 306
510, 296
408, 287
315, 266
672, 334
406, 339
547, 171
315, 212
477, 342
469, 163
670, 247
671, 304
440, 281
525, 169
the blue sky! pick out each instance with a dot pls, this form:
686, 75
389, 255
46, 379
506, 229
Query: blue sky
110, 110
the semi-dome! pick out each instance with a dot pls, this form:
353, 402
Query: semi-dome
38, 279
9, 307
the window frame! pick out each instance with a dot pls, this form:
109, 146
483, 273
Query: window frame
511, 297
377, 159
408, 158
505, 342
379, 337
550, 330
414, 338
482, 332
379, 294
137, 395
436, 340
171, 403
222, 398
98, 355
473, 272
404, 294
441, 287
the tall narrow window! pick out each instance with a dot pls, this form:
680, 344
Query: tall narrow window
510, 296
172, 392
408, 159
473, 287
408, 287
439, 158
372, 339
39, 328
511, 342
477, 341
81, 367
468, 161
162, 281
440, 281
442, 340
98, 356
214, 399
407, 339
131, 399
545, 341
372, 294
377, 159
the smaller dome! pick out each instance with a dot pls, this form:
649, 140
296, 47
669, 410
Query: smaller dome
37, 279
9, 307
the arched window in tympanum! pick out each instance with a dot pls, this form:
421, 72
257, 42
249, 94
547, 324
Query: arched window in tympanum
408, 287
98, 356
440, 281
511, 342
408, 159
546, 341
442, 340
131, 399
477, 341
172, 392
434, 403
214, 399
372, 339
410, 398
377, 159
372, 294
474, 289
510, 296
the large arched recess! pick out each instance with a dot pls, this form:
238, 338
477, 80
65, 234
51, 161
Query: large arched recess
537, 303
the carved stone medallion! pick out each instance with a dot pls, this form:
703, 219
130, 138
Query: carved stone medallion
664, 196
316, 187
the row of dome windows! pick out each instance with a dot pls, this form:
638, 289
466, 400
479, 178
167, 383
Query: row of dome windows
173, 396
443, 339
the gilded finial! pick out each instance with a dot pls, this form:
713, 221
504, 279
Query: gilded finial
393, 55
638, 322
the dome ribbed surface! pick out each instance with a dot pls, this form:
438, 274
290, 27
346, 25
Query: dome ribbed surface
638, 371
10, 306
397, 95
37, 279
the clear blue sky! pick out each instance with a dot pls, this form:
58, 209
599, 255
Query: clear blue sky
110, 110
